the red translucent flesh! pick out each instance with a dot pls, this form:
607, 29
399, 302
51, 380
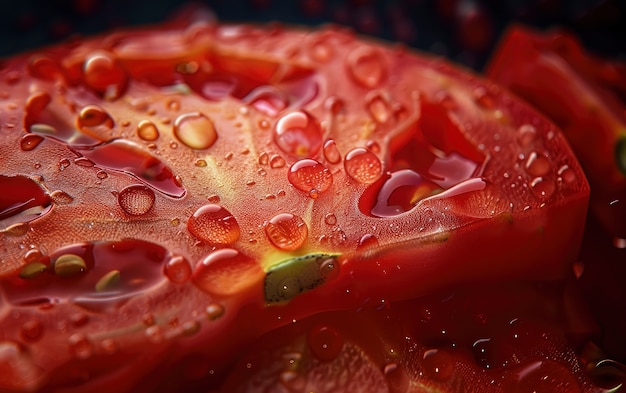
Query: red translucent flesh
582, 94
25, 195
437, 243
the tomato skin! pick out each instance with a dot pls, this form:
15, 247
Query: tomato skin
118, 172
584, 95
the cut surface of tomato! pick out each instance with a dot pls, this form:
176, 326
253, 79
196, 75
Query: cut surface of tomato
181, 191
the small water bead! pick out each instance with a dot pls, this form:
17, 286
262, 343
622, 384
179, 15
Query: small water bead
331, 152
78, 319
264, 158
537, 164
310, 176
325, 342
32, 330
214, 311
362, 165
105, 75
526, 135
200, 163
45, 68
136, 199
484, 98
64, 163
214, 224
298, 133
30, 141
373, 146
177, 269
155, 334
329, 269
195, 130
334, 105
102, 175
80, 346
567, 174
543, 188
330, 219
227, 272
277, 161
320, 50
268, 100
173, 105
378, 107
109, 346
286, 231
365, 65
84, 162
147, 131
33, 255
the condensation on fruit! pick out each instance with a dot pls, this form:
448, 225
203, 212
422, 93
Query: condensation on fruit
362, 165
299, 134
195, 130
214, 224
378, 107
147, 131
331, 152
537, 164
104, 74
177, 269
136, 199
226, 272
325, 342
286, 231
310, 176
366, 66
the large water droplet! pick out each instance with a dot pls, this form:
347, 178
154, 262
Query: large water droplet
438, 364
93, 116
104, 74
147, 131
136, 199
366, 66
214, 224
325, 342
286, 231
537, 164
362, 165
30, 141
310, 176
195, 130
367, 241
125, 156
227, 272
299, 134
267, 99
32, 330
26, 201
543, 188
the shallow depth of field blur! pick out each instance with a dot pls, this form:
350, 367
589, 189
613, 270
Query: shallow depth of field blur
465, 31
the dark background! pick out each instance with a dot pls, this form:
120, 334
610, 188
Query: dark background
463, 30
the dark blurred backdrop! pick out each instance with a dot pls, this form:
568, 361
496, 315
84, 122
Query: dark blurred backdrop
463, 30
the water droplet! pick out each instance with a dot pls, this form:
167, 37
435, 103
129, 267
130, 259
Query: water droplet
173, 105
320, 50
84, 162
331, 152
537, 164
299, 134
277, 161
80, 346
195, 130
362, 165
102, 175
227, 272
526, 135
264, 158
104, 74
61, 197
286, 231
109, 346
310, 176
30, 141
438, 364
147, 131
365, 65
45, 68
31, 330
214, 311
543, 188
373, 146
68, 265
567, 174
484, 98
79, 319
214, 224
367, 241
177, 269
200, 163
330, 219
93, 116
329, 269
378, 107
136, 199
64, 163
267, 99
398, 380
155, 334
325, 342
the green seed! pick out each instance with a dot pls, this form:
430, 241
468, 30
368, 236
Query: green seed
109, 281
294, 276
32, 270
68, 265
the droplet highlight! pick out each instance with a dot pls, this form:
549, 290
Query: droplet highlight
214, 224
195, 130
286, 231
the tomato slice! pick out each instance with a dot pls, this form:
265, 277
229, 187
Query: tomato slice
584, 95
210, 183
